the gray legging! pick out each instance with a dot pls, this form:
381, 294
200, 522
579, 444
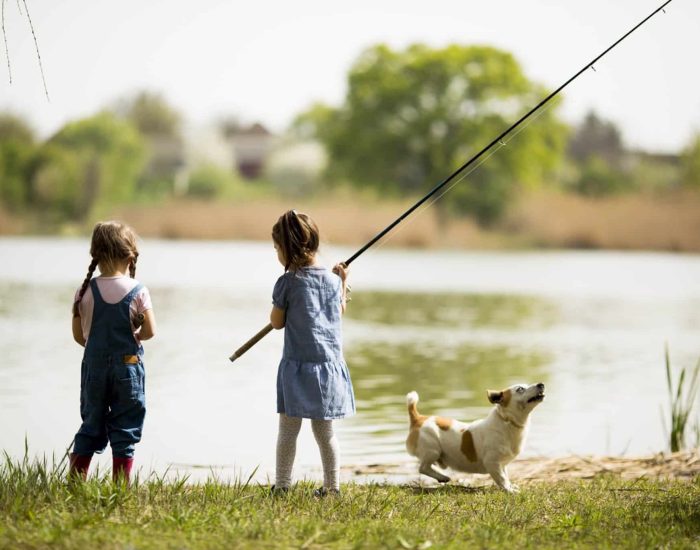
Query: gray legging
287, 446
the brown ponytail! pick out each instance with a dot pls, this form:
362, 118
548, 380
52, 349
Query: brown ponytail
297, 236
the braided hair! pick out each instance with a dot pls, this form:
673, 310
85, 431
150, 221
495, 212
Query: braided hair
111, 242
297, 235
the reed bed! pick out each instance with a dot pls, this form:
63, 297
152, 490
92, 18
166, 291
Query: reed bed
669, 222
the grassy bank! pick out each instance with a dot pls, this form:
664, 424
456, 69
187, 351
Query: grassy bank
38, 509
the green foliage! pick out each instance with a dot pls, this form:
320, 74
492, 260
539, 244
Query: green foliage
209, 181
691, 164
599, 138
160, 126
56, 186
682, 401
412, 117
653, 174
87, 163
597, 152
598, 178
150, 114
17, 147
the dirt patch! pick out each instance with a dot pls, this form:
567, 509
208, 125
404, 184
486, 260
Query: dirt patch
682, 465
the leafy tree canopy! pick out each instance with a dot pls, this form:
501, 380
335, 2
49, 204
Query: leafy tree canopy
14, 128
151, 114
412, 117
599, 138
88, 162
16, 150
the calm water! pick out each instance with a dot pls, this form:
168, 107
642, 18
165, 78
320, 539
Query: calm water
590, 325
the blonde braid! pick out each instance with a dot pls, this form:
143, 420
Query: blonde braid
83, 288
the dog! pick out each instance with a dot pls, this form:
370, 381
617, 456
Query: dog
485, 446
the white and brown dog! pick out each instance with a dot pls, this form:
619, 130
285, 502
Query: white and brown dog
485, 446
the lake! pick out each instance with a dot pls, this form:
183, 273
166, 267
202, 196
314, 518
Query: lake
449, 324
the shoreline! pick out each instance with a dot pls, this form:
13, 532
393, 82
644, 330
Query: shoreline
682, 465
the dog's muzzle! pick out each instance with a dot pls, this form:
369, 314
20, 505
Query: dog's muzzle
539, 396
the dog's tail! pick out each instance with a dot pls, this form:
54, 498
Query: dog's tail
412, 402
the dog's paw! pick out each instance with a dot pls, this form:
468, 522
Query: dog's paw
512, 489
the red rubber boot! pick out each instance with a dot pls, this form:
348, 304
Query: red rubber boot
79, 465
121, 468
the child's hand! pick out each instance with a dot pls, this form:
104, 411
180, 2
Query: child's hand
341, 270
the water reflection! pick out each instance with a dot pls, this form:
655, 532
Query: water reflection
453, 309
451, 379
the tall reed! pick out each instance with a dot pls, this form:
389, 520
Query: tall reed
681, 405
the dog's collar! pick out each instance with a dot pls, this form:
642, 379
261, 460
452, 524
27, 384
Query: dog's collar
509, 420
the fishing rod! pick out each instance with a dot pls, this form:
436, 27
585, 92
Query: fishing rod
499, 139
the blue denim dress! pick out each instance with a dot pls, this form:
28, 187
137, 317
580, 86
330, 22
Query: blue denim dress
112, 383
313, 380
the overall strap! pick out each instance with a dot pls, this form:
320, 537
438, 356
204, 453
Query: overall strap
96, 296
133, 292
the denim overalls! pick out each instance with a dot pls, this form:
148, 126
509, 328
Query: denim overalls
112, 397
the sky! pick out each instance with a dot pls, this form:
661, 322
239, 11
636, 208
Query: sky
267, 60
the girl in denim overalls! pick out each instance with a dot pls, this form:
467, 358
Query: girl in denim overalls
312, 380
112, 313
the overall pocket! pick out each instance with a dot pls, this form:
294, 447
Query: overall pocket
129, 381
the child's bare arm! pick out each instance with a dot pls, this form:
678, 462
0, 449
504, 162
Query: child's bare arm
277, 318
341, 270
78, 331
148, 327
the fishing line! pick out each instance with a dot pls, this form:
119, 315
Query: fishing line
499, 140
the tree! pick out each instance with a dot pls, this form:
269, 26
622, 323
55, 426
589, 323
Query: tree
412, 117
597, 178
160, 125
88, 162
17, 146
690, 160
150, 113
598, 153
599, 138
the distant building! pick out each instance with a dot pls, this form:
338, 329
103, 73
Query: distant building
251, 148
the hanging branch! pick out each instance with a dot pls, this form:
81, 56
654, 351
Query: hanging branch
4, 36
36, 45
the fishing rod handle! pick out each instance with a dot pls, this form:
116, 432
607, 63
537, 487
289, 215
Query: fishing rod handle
250, 343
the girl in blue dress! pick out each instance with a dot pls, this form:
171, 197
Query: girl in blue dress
312, 380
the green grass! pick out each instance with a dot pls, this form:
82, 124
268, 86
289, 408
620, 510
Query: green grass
38, 509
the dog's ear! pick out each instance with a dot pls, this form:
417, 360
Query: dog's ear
494, 396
